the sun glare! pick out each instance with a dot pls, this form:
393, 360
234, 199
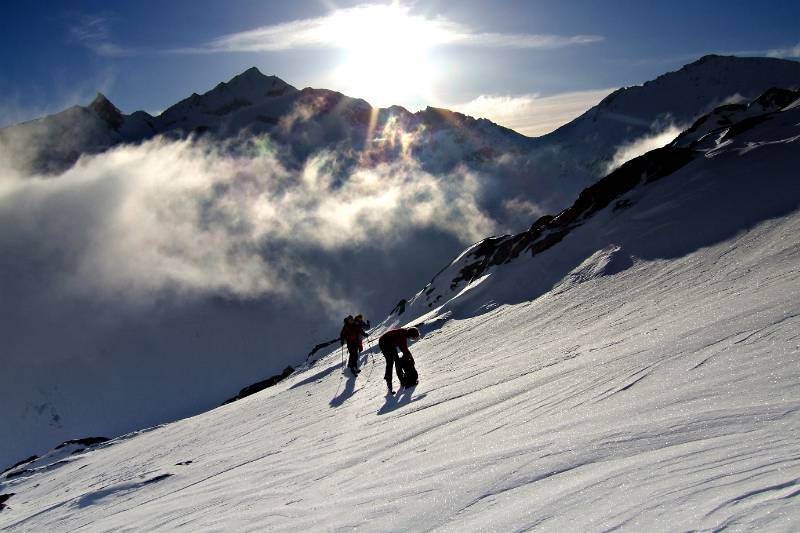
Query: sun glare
387, 54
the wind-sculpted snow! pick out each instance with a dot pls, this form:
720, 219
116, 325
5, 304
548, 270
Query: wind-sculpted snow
654, 388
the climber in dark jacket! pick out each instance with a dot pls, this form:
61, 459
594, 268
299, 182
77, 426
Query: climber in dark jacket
389, 343
351, 334
363, 324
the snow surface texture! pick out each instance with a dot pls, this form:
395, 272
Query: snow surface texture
641, 375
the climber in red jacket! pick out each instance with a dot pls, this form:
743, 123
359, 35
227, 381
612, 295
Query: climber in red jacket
351, 333
389, 343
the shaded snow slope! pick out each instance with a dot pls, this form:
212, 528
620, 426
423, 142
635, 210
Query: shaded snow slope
729, 132
640, 375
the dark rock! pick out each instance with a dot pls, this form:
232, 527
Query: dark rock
320, 346
19, 473
107, 112
548, 230
776, 98
4, 498
88, 441
743, 125
20, 463
400, 308
261, 385
156, 479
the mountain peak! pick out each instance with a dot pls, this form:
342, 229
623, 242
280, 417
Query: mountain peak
251, 73
107, 111
254, 78
100, 101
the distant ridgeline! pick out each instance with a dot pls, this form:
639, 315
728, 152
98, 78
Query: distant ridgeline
709, 132
551, 169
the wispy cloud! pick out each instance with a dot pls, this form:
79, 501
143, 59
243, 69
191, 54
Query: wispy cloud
187, 217
523, 40
789, 52
642, 145
94, 33
531, 114
338, 29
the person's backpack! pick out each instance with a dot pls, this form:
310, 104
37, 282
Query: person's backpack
407, 371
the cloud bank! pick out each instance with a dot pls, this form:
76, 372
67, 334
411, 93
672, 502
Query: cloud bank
531, 114
153, 281
184, 216
789, 52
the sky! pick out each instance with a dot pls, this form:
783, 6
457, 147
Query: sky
529, 65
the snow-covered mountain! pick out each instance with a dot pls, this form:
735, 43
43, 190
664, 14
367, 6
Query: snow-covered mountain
252, 104
673, 99
104, 363
547, 171
629, 364
730, 128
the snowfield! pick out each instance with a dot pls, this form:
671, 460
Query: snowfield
641, 375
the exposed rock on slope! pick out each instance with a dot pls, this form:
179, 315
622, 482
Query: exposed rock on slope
709, 134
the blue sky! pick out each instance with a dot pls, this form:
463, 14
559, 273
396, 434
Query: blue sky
524, 61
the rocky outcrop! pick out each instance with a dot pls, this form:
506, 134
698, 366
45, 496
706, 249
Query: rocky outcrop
548, 230
88, 441
107, 112
3, 499
320, 346
30, 459
261, 385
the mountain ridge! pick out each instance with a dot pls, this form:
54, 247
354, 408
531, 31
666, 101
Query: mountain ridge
710, 135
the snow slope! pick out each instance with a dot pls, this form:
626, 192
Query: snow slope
641, 374
727, 128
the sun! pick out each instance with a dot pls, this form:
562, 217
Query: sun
387, 55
